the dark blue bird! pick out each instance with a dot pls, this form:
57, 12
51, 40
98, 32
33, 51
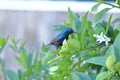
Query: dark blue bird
58, 40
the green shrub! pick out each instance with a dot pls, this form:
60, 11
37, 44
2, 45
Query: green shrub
92, 54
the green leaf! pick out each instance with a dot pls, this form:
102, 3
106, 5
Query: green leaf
116, 32
118, 28
11, 75
45, 48
66, 23
80, 76
108, 24
118, 2
97, 60
98, 29
100, 1
95, 7
84, 28
38, 67
117, 47
101, 76
102, 28
3, 42
109, 76
19, 61
13, 48
23, 56
24, 43
77, 23
2, 63
14, 41
23, 77
59, 27
54, 60
116, 20
29, 70
70, 17
110, 51
48, 57
6, 39
99, 16
93, 75
75, 77
36, 58
30, 57
20, 73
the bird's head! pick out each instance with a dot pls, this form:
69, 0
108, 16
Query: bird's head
68, 31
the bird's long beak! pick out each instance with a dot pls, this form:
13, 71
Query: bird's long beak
75, 32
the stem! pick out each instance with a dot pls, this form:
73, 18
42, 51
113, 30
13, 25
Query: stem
93, 47
3, 69
114, 6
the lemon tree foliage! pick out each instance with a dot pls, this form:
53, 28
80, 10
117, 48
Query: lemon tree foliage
91, 54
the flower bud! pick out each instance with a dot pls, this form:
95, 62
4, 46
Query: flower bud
110, 62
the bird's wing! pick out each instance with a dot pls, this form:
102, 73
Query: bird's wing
55, 40
58, 39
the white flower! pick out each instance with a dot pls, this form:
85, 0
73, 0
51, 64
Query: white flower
102, 38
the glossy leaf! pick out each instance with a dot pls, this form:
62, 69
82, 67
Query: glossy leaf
54, 60
97, 60
117, 47
20, 62
84, 27
70, 17
2, 63
23, 56
35, 59
95, 7
29, 71
80, 76
108, 24
99, 16
77, 23
110, 51
3, 42
20, 73
14, 41
23, 43
30, 58
13, 48
75, 77
38, 67
118, 28
11, 75
101, 76
116, 20
118, 2
45, 48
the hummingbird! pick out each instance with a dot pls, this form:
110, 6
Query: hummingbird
58, 40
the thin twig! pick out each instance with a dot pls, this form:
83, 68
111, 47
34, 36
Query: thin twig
114, 6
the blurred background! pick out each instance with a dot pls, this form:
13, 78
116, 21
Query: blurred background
33, 20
